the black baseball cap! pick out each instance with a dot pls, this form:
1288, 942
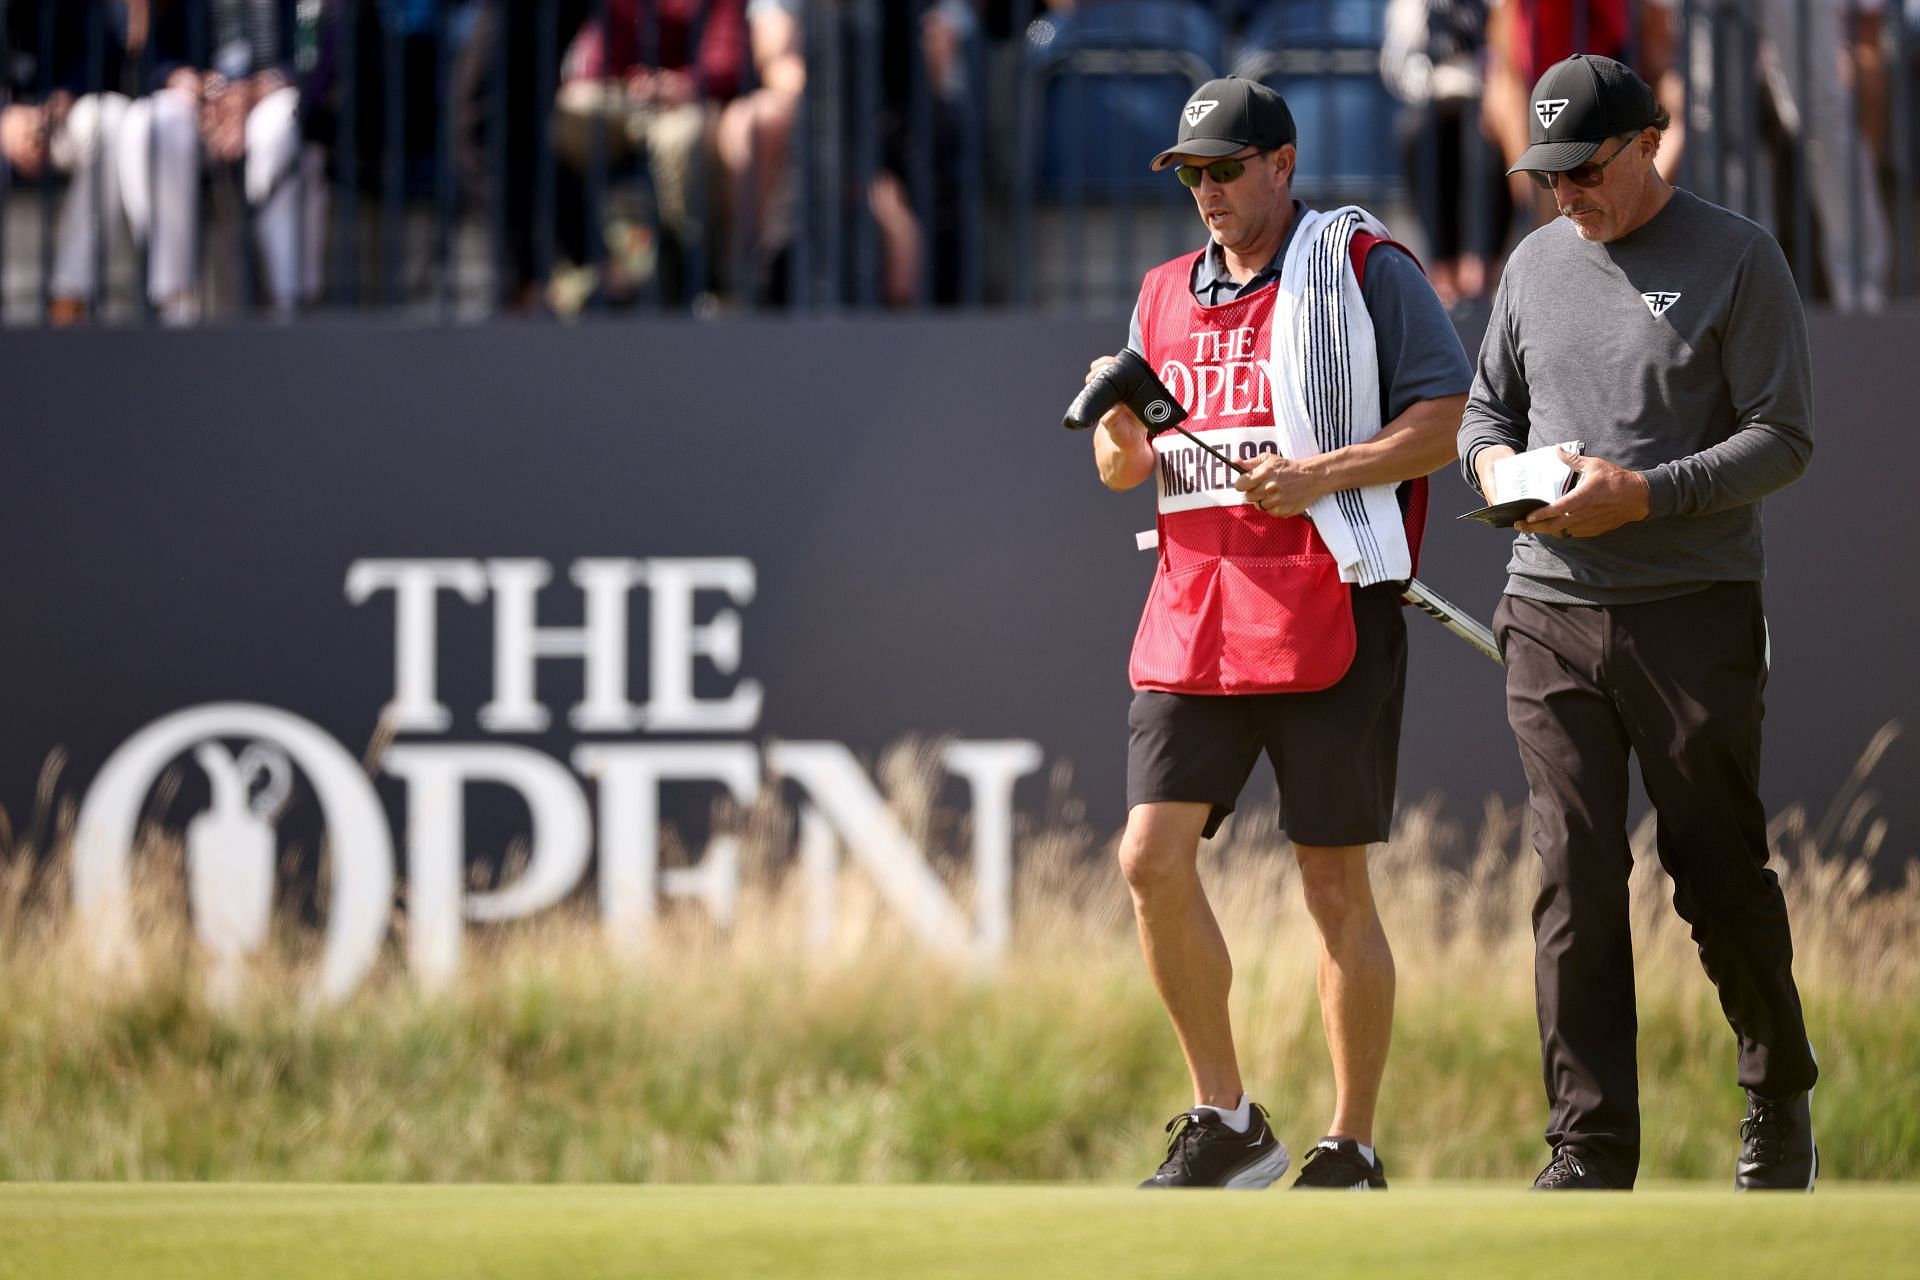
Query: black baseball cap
1228, 115
1579, 104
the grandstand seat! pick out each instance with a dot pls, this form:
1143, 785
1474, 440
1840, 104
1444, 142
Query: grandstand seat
1324, 58
1108, 80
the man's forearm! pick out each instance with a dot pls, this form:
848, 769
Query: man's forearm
1747, 466
1417, 443
1122, 452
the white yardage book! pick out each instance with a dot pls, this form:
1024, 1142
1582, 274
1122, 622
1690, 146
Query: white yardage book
1527, 482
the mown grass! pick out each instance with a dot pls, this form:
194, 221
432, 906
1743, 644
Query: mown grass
939, 1233
757, 1056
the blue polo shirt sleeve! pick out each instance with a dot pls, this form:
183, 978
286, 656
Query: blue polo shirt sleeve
1419, 353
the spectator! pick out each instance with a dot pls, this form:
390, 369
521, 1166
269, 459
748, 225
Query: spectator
1525, 37
754, 141
656, 102
244, 111
1431, 60
498, 76
1827, 86
55, 118
393, 67
755, 138
946, 31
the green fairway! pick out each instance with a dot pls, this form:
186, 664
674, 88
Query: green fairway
848, 1233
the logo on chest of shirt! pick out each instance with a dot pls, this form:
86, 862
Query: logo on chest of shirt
1659, 302
1220, 375
1549, 109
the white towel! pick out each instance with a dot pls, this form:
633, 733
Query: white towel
1326, 390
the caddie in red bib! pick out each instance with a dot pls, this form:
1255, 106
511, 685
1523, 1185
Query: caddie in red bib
1309, 349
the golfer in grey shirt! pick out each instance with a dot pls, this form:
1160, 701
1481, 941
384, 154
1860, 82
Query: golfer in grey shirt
1666, 334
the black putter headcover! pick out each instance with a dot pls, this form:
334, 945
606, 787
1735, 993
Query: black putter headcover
1128, 380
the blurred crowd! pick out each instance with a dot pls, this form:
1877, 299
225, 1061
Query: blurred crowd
1775, 103
186, 158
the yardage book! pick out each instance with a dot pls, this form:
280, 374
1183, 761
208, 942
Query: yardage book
1534, 479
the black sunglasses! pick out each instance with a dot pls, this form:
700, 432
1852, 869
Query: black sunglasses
1221, 171
1581, 175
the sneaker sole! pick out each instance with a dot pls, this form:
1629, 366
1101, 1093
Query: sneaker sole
1263, 1172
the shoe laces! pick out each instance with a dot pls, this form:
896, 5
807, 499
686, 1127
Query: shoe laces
1765, 1131
1320, 1149
1184, 1133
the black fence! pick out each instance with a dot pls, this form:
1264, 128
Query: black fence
170, 161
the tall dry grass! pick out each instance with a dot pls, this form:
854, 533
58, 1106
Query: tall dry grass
759, 1054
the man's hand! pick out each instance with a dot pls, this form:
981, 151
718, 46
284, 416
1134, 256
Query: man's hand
223, 118
1604, 498
23, 138
1122, 450
1120, 422
662, 87
1483, 467
1280, 487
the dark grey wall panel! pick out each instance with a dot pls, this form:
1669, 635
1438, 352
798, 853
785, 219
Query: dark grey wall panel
178, 513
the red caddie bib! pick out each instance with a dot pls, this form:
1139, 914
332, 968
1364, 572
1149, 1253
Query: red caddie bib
1242, 602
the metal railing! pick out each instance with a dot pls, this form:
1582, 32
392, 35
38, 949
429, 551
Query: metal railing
173, 161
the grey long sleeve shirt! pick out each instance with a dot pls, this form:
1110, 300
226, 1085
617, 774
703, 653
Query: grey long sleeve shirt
1679, 351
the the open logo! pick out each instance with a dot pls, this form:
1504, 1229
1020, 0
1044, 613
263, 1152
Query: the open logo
1549, 109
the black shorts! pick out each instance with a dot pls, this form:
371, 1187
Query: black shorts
1335, 752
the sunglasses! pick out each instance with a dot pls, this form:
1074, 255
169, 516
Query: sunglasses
1221, 171
1581, 175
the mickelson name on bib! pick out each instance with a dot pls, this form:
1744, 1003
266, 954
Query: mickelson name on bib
1191, 478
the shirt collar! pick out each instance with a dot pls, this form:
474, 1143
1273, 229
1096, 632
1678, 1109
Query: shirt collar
1212, 283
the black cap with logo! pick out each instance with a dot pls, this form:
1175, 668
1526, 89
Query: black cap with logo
1228, 115
1578, 105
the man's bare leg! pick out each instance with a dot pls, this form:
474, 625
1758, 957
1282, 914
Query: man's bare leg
1186, 954
1355, 981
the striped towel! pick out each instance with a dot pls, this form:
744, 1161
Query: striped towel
1326, 390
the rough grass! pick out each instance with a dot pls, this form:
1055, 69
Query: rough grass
760, 1056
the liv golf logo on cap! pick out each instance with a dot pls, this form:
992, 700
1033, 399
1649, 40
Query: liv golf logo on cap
1549, 109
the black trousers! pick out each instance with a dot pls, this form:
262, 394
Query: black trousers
1677, 683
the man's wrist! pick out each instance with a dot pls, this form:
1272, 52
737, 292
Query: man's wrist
1480, 460
1657, 482
1323, 474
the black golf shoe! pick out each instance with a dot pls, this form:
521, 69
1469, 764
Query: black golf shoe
1335, 1164
1568, 1172
1204, 1152
1776, 1147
